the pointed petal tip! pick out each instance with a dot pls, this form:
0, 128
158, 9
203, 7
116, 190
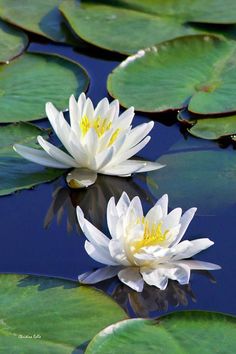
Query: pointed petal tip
72, 98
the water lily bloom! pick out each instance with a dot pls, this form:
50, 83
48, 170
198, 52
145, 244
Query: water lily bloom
143, 248
97, 140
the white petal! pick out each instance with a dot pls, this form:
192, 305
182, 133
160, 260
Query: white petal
185, 221
103, 158
155, 277
118, 253
102, 108
155, 214
81, 178
56, 153
91, 142
112, 216
152, 254
74, 116
81, 103
112, 112
99, 254
125, 119
199, 265
59, 124
94, 235
115, 106
67, 136
138, 133
131, 277
99, 275
163, 202
172, 219
123, 204
134, 150
131, 166
187, 249
135, 208
38, 156
88, 109
181, 274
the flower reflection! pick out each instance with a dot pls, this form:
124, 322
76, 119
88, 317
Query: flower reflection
93, 201
151, 301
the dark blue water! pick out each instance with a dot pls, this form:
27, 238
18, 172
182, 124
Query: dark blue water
39, 233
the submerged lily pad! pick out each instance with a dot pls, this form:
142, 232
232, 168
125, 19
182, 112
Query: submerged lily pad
181, 332
41, 17
211, 128
198, 72
31, 80
12, 42
46, 315
199, 174
17, 173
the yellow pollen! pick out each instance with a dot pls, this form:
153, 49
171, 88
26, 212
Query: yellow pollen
101, 126
152, 235
114, 137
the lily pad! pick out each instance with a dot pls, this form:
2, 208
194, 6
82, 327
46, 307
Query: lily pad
198, 72
31, 80
49, 315
181, 332
211, 128
120, 29
41, 17
128, 25
17, 173
190, 167
210, 11
12, 42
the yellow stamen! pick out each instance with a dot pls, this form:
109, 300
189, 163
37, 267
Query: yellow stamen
84, 125
114, 137
100, 125
152, 235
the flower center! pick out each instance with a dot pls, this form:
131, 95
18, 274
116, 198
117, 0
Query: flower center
100, 125
152, 235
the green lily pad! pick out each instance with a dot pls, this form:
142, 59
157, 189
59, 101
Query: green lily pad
120, 29
49, 315
181, 332
190, 166
198, 72
125, 26
31, 80
211, 128
41, 17
17, 173
210, 11
12, 42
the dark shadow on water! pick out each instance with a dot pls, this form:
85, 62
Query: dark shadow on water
81, 349
92, 200
151, 302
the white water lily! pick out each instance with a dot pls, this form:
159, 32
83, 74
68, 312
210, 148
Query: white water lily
98, 140
143, 248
